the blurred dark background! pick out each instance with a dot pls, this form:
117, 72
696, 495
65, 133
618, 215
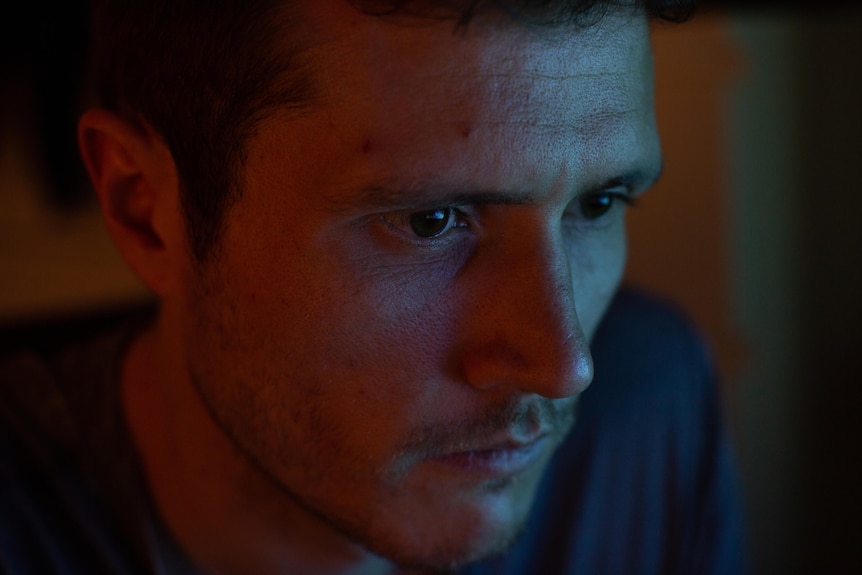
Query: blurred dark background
754, 231
43, 50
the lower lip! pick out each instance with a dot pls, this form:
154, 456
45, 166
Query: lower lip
496, 462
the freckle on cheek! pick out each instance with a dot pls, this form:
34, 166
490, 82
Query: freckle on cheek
466, 131
367, 146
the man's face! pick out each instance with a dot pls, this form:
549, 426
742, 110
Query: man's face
396, 330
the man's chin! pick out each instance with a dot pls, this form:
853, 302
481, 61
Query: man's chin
449, 514
448, 554
468, 530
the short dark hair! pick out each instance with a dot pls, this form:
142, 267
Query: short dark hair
204, 74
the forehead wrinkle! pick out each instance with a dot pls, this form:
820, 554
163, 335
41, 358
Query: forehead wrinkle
544, 109
565, 89
582, 125
619, 91
486, 80
529, 74
559, 88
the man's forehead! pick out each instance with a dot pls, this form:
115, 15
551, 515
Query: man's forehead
548, 14
353, 51
333, 25
436, 104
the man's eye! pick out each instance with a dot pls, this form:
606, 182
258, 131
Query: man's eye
426, 224
431, 223
594, 206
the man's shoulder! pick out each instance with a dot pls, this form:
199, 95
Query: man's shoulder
53, 368
48, 335
644, 325
53, 392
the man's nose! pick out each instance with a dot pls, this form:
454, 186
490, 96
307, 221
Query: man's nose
522, 328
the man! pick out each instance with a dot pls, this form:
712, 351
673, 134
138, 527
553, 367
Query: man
382, 238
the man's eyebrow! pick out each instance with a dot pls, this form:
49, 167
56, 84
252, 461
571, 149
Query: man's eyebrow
655, 176
638, 180
427, 196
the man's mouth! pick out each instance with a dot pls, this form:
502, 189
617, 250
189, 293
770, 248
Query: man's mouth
502, 442
504, 459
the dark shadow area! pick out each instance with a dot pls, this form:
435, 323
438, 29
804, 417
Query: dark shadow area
831, 282
825, 63
48, 334
44, 46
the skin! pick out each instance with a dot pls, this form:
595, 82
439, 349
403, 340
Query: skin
332, 394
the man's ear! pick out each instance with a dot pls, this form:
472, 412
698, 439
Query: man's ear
135, 178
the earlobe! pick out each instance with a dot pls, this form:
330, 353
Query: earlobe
133, 175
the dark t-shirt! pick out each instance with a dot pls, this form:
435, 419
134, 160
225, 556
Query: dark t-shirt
644, 484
